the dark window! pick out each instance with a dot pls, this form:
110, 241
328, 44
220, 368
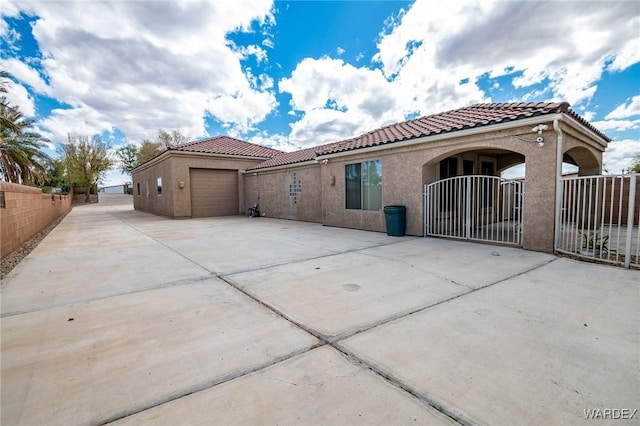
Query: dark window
2, 202
448, 168
450, 190
353, 186
467, 167
138, 188
159, 185
363, 185
487, 169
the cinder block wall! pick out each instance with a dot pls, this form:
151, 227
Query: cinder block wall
26, 212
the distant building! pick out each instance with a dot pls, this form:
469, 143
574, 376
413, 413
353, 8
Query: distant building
116, 189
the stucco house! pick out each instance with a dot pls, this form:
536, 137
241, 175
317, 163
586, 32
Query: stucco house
347, 183
197, 179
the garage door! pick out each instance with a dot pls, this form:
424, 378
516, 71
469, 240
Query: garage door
213, 192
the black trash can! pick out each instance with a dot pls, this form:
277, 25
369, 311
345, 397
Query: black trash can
395, 218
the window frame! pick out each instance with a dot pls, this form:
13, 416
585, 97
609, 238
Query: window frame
363, 203
159, 186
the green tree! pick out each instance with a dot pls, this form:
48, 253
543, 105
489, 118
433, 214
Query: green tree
5, 83
56, 176
127, 158
131, 156
148, 150
636, 164
165, 140
86, 161
21, 157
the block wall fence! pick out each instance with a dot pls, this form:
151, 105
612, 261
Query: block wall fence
25, 211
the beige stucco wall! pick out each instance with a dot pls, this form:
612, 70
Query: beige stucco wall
293, 193
587, 154
173, 168
145, 195
406, 169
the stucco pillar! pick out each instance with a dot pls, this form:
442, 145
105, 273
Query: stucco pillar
539, 197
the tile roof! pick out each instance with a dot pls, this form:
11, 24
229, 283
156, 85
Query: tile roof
294, 157
225, 145
473, 116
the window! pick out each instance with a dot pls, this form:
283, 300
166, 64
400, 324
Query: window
138, 188
451, 190
448, 168
3, 205
363, 185
159, 185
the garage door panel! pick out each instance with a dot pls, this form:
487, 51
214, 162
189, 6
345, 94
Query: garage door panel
214, 192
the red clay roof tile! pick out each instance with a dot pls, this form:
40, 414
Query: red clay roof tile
225, 145
478, 115
474, 116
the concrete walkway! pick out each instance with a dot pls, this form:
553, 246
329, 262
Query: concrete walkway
128, 318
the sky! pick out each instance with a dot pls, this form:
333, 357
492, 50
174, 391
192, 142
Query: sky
294, 74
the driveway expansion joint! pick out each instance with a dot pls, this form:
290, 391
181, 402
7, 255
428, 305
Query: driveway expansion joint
206, 385
183, 282
333, 341
440, 406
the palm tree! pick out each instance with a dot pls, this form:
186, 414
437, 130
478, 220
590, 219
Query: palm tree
21, 156
5, 82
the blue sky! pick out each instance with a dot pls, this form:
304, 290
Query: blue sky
292, 74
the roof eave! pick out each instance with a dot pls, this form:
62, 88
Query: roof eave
282, 166
448, 135
158, 158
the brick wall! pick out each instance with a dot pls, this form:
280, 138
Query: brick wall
26, 212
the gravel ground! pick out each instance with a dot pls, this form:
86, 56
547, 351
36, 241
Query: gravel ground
15, 257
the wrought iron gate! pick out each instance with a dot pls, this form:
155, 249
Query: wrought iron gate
599, 219
481, 208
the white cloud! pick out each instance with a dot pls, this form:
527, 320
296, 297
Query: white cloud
338, 100
626, 110
476, 37
340, 51
25, 74
139, 66
619, 155
246, 51
432, 55
17, 95
616, 125
275, 141
629, 53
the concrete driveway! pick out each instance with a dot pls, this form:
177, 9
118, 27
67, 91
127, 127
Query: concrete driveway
128, 318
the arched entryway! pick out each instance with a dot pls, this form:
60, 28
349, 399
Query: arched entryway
465, 197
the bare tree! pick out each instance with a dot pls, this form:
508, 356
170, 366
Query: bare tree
86, 160
131, 156
170, 139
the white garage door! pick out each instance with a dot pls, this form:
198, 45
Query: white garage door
213, 192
